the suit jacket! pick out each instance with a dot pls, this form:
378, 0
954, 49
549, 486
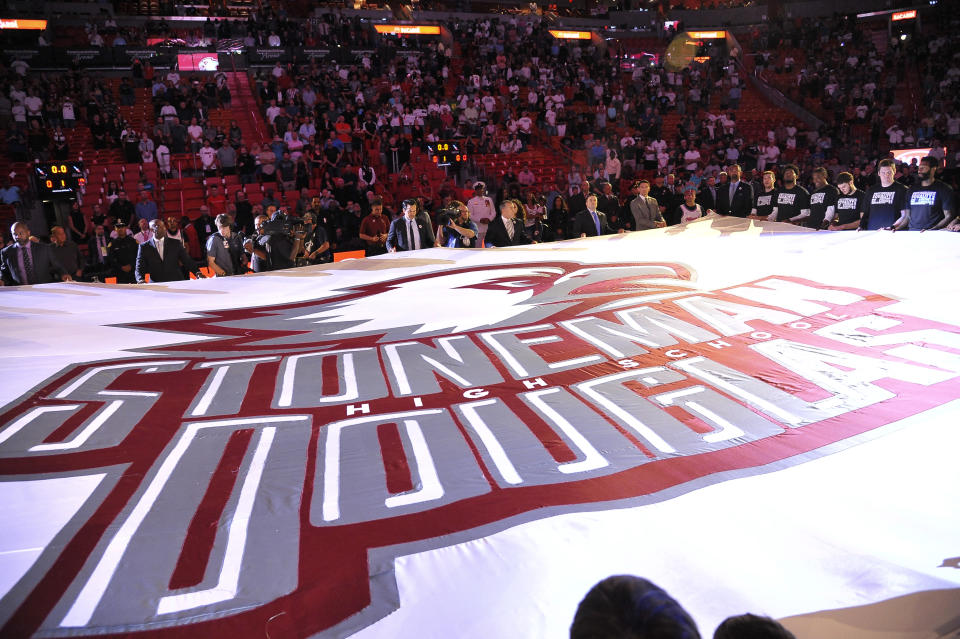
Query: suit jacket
645, 213
46, 267
497, 234
707, 197
742, 202
583, 223
397, 235
173, 267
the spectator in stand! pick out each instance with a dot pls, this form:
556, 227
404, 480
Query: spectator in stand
208, 159
122, 209
146, 208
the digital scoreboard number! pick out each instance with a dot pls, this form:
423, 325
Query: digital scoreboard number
59, 180
446, 154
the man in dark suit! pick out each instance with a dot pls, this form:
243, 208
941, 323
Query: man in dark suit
506, 229
26, 262
410, 232
736, 197
163, 258
707, 196
590, 222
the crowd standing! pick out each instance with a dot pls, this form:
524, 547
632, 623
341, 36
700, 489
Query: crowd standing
339, 129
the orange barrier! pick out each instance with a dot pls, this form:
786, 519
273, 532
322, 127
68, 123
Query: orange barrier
348, 255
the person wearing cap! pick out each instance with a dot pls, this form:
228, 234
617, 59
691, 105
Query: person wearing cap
482, 209
122, 254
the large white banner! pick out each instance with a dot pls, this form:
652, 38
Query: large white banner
460, 443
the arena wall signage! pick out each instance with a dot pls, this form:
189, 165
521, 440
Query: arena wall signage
903, 15
19, 24
570, 35
407, 29
278, 465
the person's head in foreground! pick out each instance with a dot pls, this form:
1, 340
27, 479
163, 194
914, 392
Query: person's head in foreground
629, 607
749, 626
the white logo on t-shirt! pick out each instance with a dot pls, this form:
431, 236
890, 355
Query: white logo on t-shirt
921, 198
764, 200
883, 197
786, 198
817, 198
846, 203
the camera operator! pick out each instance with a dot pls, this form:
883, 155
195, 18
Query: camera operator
281, 238
225, 254
456, 229
316, 247
254, 246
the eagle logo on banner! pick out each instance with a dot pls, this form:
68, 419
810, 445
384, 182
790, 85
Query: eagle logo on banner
267, 475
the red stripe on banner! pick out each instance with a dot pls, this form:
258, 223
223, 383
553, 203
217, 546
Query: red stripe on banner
73, 423
330, 385
203, 528
394, 459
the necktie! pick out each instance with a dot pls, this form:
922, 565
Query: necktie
509, 226
733, 189
596, 221
28, 265
410, 236
160, 248
100, 248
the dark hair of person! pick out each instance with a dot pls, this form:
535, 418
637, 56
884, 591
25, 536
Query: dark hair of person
844, 177
887, 162
629, 607
931, 161
750, 626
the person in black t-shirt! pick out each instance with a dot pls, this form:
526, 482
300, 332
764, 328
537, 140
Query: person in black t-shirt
765, 198
823, 201
850, 205
930, 206
792, 201
887, 200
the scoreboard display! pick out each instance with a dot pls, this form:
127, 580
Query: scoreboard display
446, 154
59, 180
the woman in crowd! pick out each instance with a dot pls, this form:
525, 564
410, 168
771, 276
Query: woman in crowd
558, 219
